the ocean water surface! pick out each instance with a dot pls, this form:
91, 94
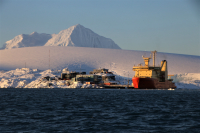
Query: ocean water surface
99, 110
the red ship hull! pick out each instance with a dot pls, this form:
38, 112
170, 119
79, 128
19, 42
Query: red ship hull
150, 83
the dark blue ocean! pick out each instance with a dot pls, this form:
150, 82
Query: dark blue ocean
101, 110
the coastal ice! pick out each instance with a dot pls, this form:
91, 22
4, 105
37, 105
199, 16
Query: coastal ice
34, 78
187, 80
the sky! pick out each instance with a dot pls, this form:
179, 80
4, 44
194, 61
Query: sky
171, 26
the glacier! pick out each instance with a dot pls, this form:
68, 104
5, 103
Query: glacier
43, 61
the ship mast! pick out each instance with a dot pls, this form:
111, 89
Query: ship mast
154, 56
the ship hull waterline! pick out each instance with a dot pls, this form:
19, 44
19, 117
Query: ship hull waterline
150, 83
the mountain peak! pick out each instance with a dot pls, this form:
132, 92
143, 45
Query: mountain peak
78, 26
76, 36
34, 33
79, 36
27, 40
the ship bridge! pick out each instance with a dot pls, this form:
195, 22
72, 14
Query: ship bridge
147, 71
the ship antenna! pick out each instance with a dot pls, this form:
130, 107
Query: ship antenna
154, 56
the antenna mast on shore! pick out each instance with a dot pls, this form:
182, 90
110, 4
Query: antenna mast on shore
49, 58
25, 69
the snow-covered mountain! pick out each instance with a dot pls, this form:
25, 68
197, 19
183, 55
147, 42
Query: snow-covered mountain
76, 36
79, 36
25, 40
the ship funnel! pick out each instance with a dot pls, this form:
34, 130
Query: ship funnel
164, 68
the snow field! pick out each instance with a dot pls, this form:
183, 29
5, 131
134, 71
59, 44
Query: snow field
87, 59
118, 61
187, 80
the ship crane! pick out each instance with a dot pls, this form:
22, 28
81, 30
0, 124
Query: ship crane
154, 57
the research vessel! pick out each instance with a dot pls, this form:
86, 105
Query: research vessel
152, 77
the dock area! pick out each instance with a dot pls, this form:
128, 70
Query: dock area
119, 86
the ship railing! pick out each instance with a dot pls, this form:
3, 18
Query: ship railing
154, 66
146, 66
